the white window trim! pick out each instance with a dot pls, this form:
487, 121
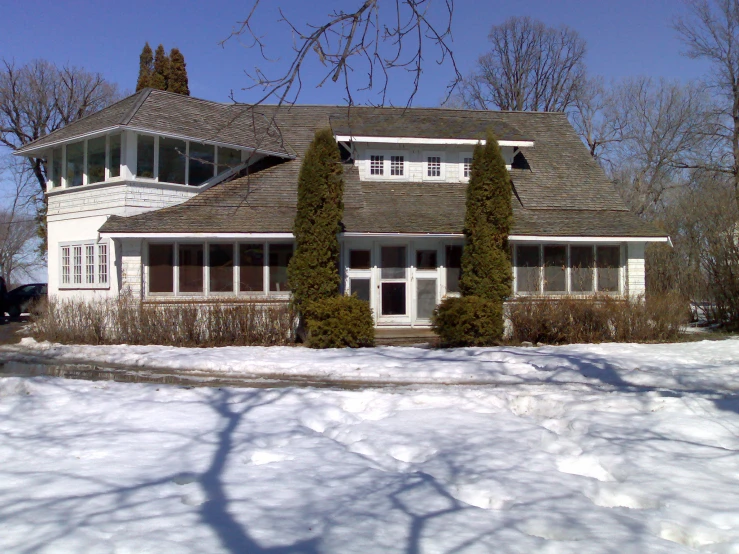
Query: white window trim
568, 284
442, 169
387, 166
237, 292
84, 285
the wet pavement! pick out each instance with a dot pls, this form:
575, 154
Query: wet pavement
9, 330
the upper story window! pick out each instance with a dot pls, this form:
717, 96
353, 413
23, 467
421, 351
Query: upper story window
86, 162
182, 162
466, 167
433, 166
377, 165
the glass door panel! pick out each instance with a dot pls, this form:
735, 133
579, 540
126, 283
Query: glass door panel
393, 298
393, 280
425, 298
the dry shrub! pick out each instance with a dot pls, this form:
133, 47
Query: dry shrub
125, 320
598, 319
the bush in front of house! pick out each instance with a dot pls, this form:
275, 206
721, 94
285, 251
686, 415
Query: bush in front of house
597, 319
125, 320
339, 322
468, 321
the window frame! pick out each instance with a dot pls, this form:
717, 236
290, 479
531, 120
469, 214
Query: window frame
621, 290
387, 166
96, 282
207, 292
462, 156
442, 165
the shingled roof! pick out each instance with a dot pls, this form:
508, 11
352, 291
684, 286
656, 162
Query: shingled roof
561, 192
175, 114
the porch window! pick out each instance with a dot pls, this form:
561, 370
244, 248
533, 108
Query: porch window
252, 268
221, 265
191, 268
145, 156
426, 259
453, 267
562, 269
359, 259
360, 287
279, 257
96, 160
172, 155
161, 268
56, 167
84, 265
228, 158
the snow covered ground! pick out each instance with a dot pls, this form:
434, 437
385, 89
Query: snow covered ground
565, 454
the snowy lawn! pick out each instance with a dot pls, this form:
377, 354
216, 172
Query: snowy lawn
565, 456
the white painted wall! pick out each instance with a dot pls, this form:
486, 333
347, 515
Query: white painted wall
635, 269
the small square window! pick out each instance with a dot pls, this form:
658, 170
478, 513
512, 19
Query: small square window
377, 165
396, 165
426, 259
433, 166
359, 259
467, 168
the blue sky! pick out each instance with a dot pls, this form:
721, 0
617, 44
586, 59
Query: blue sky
626, 37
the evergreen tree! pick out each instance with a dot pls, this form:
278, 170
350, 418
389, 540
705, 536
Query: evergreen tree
160, 77
313, 271
146, 67
177, 73
486, 263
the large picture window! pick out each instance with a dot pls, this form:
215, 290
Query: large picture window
96, 160
75, 163
218, 268
172, 156
563, 269
84, 265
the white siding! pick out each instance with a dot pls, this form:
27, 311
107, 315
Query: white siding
635, 269
131, 275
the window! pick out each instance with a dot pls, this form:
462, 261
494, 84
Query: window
433, 166
377, 165
360, 287
528, 272
114, 160
191, 268
279, 257
396, 165
56, 167
453, 267
576, 268
202, 163
172, 156
65, 265
359, 259
84, 265
609, 268
466, 167
96, 160
221, 265
161, 268
228, 158
145, 156
103, 264
75, 163
555, 269
252, 268
425, 259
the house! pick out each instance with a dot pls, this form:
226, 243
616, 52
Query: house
173, 198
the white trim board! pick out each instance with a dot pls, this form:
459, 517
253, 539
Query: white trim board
417, 140
198, 235
545, 238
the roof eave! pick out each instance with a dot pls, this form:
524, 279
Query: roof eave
431, 141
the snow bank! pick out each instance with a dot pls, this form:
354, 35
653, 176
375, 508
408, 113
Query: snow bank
710, 365
109, 467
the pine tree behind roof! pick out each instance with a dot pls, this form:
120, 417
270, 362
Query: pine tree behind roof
146, 68
161, 69
177, 73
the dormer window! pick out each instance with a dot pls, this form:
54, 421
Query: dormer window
433, 166
396, 165
466, 167
377, 165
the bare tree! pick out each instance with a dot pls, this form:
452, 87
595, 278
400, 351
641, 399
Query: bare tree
18, 255
40, 97
529, 67
374, 37
711, 32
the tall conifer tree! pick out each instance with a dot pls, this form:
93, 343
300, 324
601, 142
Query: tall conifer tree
486, 263
313, 271
146, 67
177, 73
161, 69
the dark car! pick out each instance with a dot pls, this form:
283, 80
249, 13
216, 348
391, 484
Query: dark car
3, 299
22, 299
